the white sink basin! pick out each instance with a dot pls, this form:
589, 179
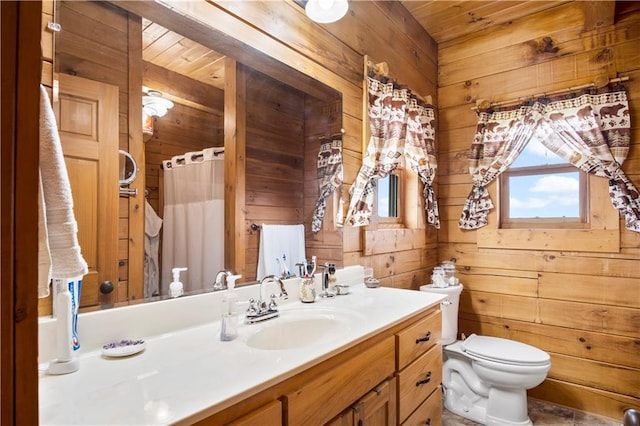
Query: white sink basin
299, 328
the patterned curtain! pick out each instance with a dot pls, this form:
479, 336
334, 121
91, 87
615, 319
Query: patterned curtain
500, 137
420, 154
391, 109
330, 177
592, 132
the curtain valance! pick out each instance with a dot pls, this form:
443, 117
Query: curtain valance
591, 132
402, 130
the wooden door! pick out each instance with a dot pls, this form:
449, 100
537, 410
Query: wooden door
87, 115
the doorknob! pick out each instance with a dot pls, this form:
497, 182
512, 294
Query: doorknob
106, 287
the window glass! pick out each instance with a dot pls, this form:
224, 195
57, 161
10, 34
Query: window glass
544, 195
541, 185
388, 201
536, 154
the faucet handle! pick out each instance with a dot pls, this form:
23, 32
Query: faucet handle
253, 307
272, 303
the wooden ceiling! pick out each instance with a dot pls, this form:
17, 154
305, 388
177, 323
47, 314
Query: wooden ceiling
181, 55
444, 20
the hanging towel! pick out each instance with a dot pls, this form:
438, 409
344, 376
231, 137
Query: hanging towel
278, 241
61, 228
152, 225
44, 255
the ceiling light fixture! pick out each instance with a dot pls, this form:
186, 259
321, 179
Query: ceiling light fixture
155, 105
326, 11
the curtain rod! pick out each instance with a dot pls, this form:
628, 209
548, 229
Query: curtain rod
194, 157
382, 68
481, 102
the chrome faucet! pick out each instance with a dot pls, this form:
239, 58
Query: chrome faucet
221, 280
259, 310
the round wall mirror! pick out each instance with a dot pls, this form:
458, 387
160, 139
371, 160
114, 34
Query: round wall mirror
128, 168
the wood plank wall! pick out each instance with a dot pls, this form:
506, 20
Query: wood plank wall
275, 158
582, 308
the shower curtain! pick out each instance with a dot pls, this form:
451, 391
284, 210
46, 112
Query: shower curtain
193, 218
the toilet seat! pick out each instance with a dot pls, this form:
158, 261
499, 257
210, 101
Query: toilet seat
504, 351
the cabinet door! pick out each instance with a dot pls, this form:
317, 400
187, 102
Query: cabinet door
345, 418
378, 407
321, 399
429, 413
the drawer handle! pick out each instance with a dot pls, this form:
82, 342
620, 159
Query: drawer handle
424, 381
426, 338
428, 421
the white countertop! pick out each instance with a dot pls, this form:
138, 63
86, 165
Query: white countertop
189, 371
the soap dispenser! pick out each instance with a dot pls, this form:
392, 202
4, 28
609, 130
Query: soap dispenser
176, 289
228, 321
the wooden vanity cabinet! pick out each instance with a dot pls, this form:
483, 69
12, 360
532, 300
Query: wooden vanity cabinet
389, 379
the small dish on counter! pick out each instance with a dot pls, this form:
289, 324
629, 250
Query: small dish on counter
372, 282
341, 289
123, 348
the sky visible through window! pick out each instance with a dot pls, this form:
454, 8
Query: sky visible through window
383, 197
549, 195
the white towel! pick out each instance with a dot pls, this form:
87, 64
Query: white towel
44, 255
57, 202
278, 241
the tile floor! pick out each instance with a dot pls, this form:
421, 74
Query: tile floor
542, 414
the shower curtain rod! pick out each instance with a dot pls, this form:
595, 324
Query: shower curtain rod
196, 156
484, 104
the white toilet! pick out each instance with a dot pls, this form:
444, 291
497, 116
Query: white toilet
485, 379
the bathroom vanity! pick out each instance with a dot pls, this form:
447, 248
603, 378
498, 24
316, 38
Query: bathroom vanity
372, 356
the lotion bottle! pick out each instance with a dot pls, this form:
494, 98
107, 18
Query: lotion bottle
176, 289
228, 320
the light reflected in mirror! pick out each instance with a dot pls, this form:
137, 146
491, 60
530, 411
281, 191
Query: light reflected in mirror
95, 45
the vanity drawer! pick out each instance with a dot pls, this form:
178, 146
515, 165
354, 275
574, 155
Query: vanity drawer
418, 381
418, 338
429, 413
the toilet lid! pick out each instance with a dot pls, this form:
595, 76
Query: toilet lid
504, 350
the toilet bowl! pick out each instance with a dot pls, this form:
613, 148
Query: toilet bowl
485, 379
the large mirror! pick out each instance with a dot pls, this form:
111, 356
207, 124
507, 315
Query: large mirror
284, 114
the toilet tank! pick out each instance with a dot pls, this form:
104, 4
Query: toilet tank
449, 308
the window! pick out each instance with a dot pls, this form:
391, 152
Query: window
389, 198
541, 190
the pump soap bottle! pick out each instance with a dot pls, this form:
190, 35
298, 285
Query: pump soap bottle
176, 289
229, 321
